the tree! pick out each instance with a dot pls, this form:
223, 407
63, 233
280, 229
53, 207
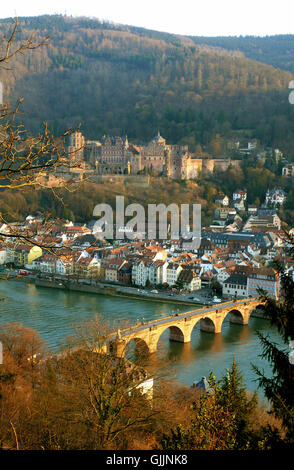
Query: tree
216, 287
279, 388
213, 427
179, 284
22, 347
233, 396
224, 419
81, 398
102, 391
24, 160
23, 352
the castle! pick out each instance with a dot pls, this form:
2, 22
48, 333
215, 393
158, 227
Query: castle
116, 155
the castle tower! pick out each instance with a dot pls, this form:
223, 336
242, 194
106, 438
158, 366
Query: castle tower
76, 147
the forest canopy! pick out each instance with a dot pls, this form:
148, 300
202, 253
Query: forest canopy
124, 80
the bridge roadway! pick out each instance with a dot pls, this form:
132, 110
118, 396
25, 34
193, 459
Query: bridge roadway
181, 325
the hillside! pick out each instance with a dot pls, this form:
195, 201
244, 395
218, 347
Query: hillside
118, 79
274, 50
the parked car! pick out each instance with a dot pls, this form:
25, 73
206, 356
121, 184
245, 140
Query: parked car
196, 299
216, 300
154, 291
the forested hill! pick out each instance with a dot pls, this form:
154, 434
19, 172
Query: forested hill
274, 50
120, 79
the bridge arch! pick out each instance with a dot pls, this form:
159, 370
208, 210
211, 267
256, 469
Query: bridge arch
208, 325
181, 326
175, 334
133, 345
259, 307
236, 316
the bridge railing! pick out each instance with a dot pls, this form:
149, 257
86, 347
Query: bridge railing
221, 306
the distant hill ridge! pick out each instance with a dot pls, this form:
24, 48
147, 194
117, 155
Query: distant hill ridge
118, 79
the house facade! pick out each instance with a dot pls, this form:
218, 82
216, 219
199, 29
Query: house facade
236, 286
275, 196
263, 278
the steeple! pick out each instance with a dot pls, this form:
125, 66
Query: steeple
159, 139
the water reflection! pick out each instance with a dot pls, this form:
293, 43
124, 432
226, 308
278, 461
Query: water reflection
54, 313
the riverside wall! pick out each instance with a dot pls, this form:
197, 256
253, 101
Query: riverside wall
115, 291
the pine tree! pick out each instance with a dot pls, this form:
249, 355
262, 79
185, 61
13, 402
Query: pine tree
232, 395
279, 388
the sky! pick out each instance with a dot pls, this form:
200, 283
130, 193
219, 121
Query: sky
186, 17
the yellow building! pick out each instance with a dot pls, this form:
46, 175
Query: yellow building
24, 254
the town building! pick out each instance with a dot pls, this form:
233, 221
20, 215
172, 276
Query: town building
190, 280
24, 255
275, 197
288, 170
235, 286
76, 147
172, 273
265, 278
222, 199
116, 155
239, 194
112, 269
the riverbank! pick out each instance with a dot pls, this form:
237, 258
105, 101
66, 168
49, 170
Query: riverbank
115, 291
55, 313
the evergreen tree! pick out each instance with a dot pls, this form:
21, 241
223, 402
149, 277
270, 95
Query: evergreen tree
222, 420
280, 386
232, 395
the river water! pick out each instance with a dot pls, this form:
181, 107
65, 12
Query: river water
54, 313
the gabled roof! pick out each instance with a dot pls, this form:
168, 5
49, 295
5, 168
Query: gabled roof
237, 279
186, 275
114, 263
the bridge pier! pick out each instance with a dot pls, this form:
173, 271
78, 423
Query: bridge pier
211, 326
118, 347
182, 335
238, 318
152, 348
181, 326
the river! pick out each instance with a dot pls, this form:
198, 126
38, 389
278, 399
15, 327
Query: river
54, 313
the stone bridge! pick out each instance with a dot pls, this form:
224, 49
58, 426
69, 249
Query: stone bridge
181, 325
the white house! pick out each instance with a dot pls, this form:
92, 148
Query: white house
147, 270
6, 255
222, 199
275, 196
45, 264
236, 285
190, 280
223, 275
288, 170
240, 194
65, 265
172, 273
